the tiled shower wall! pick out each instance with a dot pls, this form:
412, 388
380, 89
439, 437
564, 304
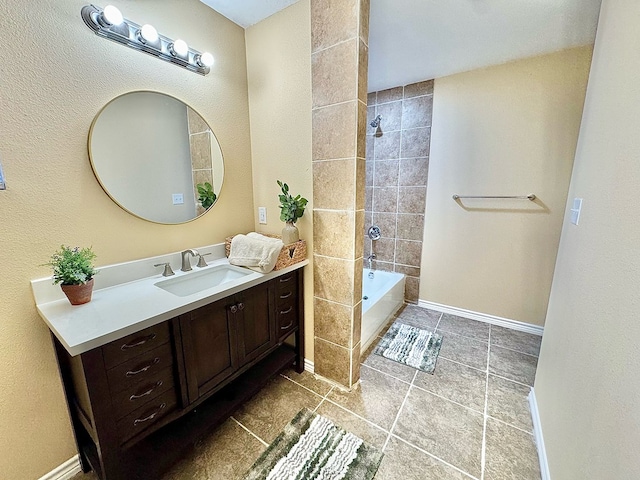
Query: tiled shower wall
397, 164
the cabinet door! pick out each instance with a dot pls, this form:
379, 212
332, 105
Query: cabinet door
256, 326
209, 339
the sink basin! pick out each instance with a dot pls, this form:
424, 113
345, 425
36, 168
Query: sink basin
195, 282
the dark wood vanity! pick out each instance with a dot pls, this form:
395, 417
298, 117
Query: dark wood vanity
138, 403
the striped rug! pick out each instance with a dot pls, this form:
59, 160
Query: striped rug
410, 345
313, 448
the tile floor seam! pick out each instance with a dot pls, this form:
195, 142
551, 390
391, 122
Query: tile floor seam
517, 351
433, 456
438, 322
509, 380
395, 421
509, 424
461, 363
315, 410
447, 399
249, 431
385, 373
356, 415
461, 335
483, 454
306, 388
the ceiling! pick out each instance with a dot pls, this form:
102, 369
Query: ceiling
414, 40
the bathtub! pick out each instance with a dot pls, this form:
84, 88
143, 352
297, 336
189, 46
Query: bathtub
382, 296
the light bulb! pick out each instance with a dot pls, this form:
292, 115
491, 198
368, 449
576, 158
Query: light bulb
112, 15
205, 60
148, 34
179, 48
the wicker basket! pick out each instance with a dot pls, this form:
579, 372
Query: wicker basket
290, 254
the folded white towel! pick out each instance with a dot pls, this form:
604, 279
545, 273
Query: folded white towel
255, 253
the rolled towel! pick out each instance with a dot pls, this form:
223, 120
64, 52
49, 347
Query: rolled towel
255, 253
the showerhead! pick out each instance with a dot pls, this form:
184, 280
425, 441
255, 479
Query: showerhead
376, 122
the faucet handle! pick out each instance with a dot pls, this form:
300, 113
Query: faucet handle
201, 262
167, 269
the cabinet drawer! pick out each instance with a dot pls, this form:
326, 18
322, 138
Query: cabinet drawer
142, 392
135, 344
145, 416
286, 318
140, 368
288, 280
286, 294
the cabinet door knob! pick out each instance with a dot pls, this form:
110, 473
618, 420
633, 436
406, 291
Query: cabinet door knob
241, 306
233, 308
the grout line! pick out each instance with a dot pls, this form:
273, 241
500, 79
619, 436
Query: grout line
395, 421
384, 373
510, 425
323, 399
321, 107
306, 388
510, 380
517, 351
400, 99
335, 44
460, 363
465, 336
356, 415
433, 456
447, 399
438, 323
250, 432
486, 414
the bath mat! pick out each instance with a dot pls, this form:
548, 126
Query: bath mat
410, 345
313, 448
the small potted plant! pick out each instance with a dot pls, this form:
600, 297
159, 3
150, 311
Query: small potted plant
73, 269
206, 196
291, 209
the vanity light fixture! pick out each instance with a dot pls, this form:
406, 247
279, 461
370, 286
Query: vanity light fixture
109, 23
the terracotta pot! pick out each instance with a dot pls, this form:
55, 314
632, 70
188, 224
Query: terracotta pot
290, 233
78, 294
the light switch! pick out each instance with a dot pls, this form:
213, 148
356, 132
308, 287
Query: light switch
575, 211
178, 198
3, 185
262, 215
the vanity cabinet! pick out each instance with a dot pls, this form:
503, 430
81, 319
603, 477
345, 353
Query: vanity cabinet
133, 401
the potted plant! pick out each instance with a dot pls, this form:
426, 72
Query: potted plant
73, 269
206, 195
291, 209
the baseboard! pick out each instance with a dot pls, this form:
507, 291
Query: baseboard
484, 317
67, 470
309, 366
537, 434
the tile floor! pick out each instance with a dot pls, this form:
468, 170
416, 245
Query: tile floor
470, 419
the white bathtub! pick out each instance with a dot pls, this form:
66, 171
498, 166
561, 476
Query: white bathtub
384, 295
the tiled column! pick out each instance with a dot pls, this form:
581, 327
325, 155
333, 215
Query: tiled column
339, 54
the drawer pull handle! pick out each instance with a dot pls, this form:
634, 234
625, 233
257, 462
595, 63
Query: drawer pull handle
131, 373
287, 295
287, 326
284, 312
127, 346
136, 396
285, 279
150, 417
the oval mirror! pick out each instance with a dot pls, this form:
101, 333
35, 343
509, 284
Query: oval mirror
156, 157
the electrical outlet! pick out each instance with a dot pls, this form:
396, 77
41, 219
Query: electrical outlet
178, 198
262, 214
575, 211
3, 185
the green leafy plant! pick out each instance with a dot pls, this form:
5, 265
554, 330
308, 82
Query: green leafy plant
207, 197
72, 266
291, 208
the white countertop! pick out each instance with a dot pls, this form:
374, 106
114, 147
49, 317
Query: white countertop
125, 308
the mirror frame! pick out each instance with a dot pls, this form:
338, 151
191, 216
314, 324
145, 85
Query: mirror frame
104, 188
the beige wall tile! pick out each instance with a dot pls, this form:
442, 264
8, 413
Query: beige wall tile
361, 148
359, 240
356, 325
361, 178
334, 184
200, 146
333, 21
412, 199
333, 279
416, 142
410, 227
411, 289
365, 7
357, 284
202, 176
413, 171
390, 95
420, 88
333, 74
333, 322
196, 122
363, 69
355, 364
334, 135
408, 252
406, 270
333, 233
371, 98
332, 361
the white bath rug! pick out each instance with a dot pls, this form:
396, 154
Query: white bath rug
410, 345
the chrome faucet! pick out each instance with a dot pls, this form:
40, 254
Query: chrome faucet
370, 259
186, 263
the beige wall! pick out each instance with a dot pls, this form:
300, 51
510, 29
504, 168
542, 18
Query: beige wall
59, 76
587, 384
504, 130
279, 73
